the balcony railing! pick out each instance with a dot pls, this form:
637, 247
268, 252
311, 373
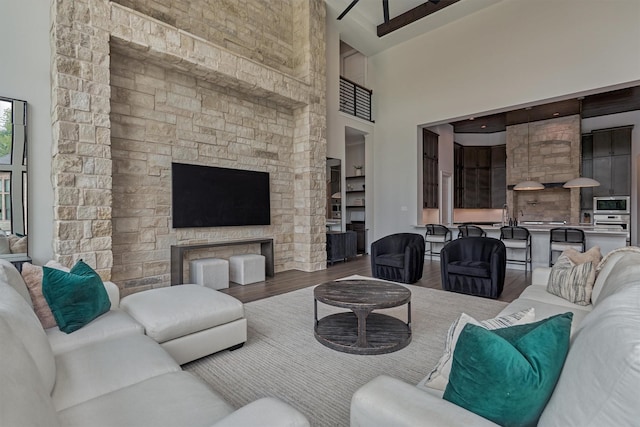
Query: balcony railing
355, 99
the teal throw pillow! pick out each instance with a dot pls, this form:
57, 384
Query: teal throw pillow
76, 297
507, 375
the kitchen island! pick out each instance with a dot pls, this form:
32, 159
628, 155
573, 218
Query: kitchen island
608, 238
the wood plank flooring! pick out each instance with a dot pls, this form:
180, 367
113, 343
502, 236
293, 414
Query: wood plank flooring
291, 280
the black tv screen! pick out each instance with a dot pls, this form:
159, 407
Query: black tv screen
206, 196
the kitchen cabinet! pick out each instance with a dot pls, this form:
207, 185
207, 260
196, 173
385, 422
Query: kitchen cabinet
483, 177
606, 157
498, 176
458, 175
429, 169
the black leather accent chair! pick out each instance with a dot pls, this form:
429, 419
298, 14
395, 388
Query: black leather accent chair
474, 266
398, 257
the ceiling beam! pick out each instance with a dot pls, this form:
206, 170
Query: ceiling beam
412, 15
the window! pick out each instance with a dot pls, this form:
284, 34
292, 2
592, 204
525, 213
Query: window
13, 166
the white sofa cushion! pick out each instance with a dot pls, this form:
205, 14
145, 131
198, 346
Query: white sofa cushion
24, 401
600, 380
164, 317
169, 400
11, 276
105, 366
112, 324
548, 309
386, 401
25, 324
618, 273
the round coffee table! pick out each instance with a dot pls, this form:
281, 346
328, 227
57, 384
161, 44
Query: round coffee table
361, 331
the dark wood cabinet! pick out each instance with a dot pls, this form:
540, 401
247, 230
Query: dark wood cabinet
458, 175
482, 176
429, 169
341, 246
606, 157
498, 176
361, 236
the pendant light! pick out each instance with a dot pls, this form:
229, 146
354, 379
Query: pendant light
528, 184
581, 181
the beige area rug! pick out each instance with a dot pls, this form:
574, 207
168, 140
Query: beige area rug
282, 358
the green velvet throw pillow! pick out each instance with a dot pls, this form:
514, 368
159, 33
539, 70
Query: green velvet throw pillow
76, 297
507, 375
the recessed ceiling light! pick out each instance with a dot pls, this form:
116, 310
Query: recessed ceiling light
556, 114
472, 118
483, 126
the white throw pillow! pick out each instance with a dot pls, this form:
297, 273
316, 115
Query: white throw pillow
438, 378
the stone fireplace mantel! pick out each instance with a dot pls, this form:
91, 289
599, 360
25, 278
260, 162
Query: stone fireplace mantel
174, 95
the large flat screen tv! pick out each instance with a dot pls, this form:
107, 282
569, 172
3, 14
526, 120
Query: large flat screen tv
205, 196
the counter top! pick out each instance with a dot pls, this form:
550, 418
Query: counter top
539, 226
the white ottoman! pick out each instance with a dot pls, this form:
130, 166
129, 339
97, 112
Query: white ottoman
246, 269
210, 272
189, 321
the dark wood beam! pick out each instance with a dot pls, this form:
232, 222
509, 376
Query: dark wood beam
412, 15
344, 12
385, 10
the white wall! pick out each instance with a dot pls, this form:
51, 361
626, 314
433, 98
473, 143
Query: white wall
509, 55
24, 74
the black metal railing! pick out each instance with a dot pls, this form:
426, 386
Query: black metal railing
355, 99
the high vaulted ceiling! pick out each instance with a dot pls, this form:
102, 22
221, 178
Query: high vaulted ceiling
359, 27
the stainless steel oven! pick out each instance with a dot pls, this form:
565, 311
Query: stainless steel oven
620, 205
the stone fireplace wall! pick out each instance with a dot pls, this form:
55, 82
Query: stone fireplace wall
132, 93
553, 159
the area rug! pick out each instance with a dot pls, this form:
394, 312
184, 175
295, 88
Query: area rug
282, 358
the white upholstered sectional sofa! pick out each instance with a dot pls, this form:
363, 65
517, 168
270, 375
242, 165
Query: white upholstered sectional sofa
109, 373
600, 381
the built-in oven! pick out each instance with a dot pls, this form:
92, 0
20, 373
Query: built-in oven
612, 205
613, 212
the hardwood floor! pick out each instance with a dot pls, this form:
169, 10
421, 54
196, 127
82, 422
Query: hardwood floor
288, 281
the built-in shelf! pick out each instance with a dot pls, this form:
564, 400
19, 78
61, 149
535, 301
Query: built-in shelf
355, 206
355, 191
354, 177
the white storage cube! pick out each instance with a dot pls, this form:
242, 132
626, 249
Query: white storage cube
246, 269
210, 272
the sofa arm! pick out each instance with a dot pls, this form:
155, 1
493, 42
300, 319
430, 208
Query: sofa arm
114, 294
387, 401
540, 276
265, 412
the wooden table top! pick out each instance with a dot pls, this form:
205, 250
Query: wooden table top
359, 294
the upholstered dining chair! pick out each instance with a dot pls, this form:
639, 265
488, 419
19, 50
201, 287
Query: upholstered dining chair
438, 234
474, 266
398, 257
468, 230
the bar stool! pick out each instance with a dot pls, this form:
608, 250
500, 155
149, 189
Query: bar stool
436, 233
563, 238
517, 240
468, 230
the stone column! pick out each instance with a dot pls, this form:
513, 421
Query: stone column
81, 154
309, 144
